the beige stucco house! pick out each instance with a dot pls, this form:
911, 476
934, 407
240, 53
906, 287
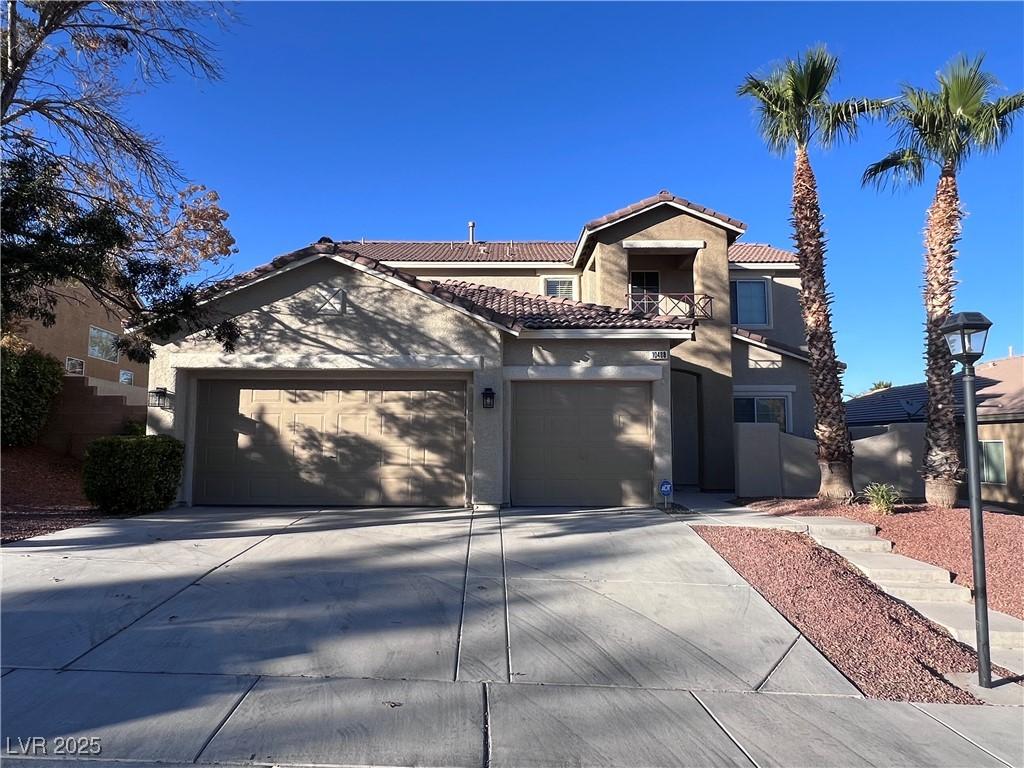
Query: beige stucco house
492, 373
84, 339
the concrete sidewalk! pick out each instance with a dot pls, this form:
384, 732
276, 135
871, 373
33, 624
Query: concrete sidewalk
431, 637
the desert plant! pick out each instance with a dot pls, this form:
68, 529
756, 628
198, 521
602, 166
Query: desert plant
942, 129
31, 380
883, 497
133, 475
795, 112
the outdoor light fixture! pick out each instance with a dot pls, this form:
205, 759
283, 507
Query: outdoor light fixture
161, 398
488, 397
965, 334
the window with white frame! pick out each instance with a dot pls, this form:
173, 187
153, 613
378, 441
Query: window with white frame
749, 302
761, 409
560, 287
102, 344
75, 366
993, 462
126, 377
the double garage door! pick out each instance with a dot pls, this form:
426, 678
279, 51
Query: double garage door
331, 443
404, 443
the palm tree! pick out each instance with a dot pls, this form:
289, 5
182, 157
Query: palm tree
795, 110
943, 128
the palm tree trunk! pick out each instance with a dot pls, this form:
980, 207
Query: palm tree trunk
941, 469
835, 452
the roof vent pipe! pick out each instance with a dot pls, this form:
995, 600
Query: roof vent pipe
472, 232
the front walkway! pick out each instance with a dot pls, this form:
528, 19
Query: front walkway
432, 637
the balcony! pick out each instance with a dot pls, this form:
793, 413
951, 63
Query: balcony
694, 306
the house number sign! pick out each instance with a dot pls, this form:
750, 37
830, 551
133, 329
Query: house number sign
659, 354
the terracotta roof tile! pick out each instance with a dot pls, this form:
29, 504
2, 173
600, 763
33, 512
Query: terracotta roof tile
531, 250
514, 310
759, 253
525, 310
662, 197
776, 345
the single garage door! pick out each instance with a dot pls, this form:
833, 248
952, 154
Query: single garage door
581, 443
331, 443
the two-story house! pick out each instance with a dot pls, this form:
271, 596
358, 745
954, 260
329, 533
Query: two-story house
493, 373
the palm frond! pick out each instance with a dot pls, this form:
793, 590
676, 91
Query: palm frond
994, 120
901, 166
839, 121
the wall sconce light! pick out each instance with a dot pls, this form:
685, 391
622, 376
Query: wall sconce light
488, 397
161, 398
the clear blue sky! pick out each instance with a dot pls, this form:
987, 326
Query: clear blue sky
404, 121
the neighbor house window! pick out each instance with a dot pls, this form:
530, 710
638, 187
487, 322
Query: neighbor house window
126, 377
760, 410
102, 344
993, 462
74, 366
644, 288
749, 302
559, 287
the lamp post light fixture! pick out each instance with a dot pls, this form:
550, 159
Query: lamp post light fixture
161, 398
966, 333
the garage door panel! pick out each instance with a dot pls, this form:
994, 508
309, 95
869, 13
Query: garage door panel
375, 442
581, 443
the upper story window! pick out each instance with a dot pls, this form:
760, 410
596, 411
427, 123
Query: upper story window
644, 288
126, 377
75, 366
560, 287
102, 344
749, 302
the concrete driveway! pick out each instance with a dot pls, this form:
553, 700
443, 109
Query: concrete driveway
431, 637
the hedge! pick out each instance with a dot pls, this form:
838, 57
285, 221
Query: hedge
31, 379
133, 475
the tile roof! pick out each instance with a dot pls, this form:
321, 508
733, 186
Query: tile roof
515, 251
1000, 386
776, 345
525, 310
759, 253
515, 310
662, 197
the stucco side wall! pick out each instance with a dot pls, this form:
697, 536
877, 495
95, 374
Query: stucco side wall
627, 360
756, 367
69, 336
332, 320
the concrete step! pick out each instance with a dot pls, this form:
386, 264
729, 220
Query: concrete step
947, 594
867, 544
836, 527
1004, 631
887, 567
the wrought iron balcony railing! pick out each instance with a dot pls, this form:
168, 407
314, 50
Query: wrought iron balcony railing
696, 306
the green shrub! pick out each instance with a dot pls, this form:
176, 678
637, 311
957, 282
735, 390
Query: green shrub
133, 475
882, 497
31, 380
134, 428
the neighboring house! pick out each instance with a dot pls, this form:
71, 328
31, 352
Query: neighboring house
490, 373
83, 339
1000, 388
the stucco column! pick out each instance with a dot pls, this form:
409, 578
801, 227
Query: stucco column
487, 433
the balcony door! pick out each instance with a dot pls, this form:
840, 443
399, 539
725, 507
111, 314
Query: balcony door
644, 288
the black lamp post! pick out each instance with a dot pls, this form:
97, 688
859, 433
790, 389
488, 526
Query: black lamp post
965, 334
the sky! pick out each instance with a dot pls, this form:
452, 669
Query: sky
404, 121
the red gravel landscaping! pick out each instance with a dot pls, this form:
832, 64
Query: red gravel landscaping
938, 536
888, 650
41, 493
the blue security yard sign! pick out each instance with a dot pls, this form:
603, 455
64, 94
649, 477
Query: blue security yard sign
665, 488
